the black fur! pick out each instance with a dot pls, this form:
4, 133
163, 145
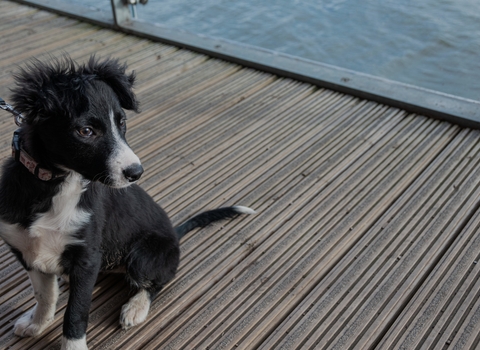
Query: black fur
75, 124
205, 219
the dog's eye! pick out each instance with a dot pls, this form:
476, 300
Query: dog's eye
122, 122
85, 132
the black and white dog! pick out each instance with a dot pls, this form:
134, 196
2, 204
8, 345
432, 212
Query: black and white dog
68, 205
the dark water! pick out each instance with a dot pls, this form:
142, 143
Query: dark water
434, 44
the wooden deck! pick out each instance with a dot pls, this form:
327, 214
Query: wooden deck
367, 232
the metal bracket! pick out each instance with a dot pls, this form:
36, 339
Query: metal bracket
19, 118
121, 12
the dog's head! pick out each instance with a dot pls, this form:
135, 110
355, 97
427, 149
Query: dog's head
74, 117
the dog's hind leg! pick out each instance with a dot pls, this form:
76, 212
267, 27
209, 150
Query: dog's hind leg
36, 320
152, 262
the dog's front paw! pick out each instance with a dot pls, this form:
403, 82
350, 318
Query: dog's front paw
28, 325
136, 310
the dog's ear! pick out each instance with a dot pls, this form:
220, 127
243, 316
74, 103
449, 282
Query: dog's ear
46, 89
111, 72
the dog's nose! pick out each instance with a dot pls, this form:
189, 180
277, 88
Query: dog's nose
133, 172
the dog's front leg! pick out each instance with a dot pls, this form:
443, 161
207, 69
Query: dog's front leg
75, 321
33, 322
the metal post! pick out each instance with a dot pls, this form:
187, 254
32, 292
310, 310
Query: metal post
121, 12
134, 10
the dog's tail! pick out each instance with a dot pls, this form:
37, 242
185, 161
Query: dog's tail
208, 217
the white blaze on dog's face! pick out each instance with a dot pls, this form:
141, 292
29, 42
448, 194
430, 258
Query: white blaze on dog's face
124, 165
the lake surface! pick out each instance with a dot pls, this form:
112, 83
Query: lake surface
434, 44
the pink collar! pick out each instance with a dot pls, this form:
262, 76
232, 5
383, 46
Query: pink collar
23, 157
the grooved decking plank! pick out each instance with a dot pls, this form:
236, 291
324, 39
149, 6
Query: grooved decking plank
298, 269
445, 297
342, 282
358, 260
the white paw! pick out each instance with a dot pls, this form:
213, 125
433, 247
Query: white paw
136, 310
28, 326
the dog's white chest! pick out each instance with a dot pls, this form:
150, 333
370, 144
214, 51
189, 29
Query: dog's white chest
43, 243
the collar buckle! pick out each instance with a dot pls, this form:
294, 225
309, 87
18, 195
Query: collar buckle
16, 145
